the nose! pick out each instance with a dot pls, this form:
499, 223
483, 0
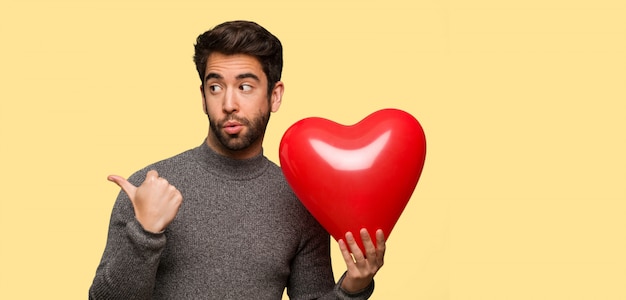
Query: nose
231, 103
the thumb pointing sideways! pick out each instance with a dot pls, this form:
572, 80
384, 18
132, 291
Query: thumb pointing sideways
128, 187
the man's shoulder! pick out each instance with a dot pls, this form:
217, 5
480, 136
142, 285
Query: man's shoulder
173, 164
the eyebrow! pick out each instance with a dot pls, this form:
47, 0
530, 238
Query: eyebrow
212, 76
240, 76
248, 75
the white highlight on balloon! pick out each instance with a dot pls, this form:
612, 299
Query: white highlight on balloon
353, 159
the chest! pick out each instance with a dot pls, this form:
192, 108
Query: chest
235, 232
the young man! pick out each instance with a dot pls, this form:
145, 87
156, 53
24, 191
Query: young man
240, 232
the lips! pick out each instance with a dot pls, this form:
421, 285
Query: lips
232, 127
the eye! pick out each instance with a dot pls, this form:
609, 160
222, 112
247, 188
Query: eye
245, 87
214, 88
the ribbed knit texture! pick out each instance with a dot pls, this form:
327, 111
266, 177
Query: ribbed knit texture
240, 233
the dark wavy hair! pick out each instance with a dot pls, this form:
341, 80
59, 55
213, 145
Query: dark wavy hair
241, 37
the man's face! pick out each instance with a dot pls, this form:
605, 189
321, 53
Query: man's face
235, 99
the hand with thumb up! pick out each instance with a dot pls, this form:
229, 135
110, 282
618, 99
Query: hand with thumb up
155, 201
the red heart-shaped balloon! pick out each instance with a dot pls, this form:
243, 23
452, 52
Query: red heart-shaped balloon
358, 176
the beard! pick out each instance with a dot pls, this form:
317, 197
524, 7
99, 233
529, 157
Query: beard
234, 142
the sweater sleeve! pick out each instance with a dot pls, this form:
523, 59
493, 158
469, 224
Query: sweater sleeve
339, 293
131, 257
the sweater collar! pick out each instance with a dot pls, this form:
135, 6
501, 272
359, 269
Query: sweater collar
230, 168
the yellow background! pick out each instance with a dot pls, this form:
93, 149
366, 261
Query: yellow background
523, 104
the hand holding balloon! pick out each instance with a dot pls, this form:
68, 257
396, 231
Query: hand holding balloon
362, 266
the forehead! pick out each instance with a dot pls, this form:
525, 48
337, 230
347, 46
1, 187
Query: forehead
233, 65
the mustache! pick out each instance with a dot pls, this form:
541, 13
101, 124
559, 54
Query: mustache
235, 118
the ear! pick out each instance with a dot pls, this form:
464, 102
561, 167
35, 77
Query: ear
277, 96
206, 111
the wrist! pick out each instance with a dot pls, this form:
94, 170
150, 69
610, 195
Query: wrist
351, 287
152, 229
354, 286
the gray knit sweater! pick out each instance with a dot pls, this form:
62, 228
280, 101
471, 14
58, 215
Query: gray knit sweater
240, 233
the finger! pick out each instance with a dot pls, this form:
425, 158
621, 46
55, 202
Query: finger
345, 253
370, 250
380, 240
152, 175
177, 197
354, 247
380, 247
128, 187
